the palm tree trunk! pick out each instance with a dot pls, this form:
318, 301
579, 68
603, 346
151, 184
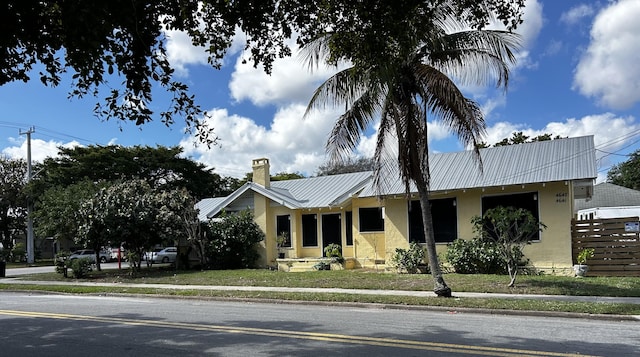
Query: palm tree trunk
440, 288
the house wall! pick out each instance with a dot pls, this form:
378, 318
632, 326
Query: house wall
264, 218
551, 252
369, 247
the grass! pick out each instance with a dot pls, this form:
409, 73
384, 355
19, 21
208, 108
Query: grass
363, 279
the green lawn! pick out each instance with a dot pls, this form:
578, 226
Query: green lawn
365, 279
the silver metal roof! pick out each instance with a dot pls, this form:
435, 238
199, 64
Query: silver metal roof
543, 161
609, 195
207, 205
313, 192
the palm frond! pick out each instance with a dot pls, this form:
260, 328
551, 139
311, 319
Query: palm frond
474, 57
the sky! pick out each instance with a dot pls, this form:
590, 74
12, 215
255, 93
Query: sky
578, 73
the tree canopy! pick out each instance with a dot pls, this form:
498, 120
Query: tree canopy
519, 138
101, 42
626, 173
160, 167
13, 201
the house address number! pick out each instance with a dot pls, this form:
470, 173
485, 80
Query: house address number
561, 197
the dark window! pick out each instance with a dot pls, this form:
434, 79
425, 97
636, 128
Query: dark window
528, 201
348, 217
309, 230
283, 228
371, 219
445, 221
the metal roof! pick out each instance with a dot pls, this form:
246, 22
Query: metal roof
313, 192
542, 161
207, 205
609, 195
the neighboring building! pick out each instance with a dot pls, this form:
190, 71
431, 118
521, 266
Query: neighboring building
544, 177
609, 201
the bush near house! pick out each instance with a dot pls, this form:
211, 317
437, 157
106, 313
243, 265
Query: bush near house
479, 256
232, 242
409, 260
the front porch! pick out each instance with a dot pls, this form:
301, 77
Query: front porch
310, 264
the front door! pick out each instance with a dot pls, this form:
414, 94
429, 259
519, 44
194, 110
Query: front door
331, 230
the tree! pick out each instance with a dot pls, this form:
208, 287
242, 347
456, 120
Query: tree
348, 166
122, 213
520, 138
511, 228
58, 208
162, 167
123, 40
626, 173
13, 200
404, 81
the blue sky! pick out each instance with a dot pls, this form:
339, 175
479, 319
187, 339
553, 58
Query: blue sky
578, 74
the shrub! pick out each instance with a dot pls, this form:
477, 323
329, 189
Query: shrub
18, 253
334, 251
80, 267
409, 260
479, 256
232, 242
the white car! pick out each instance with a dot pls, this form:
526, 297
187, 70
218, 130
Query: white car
91, 255
166, 255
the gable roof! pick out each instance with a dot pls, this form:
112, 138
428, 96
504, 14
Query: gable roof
312, 192
543, 161
606, 194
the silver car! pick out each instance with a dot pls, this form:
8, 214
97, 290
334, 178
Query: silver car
91, 255
166, 255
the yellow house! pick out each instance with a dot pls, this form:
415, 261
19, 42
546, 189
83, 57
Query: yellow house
370, 222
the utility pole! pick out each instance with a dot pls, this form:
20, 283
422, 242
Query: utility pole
30, 239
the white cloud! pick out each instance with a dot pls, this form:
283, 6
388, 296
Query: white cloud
40, 149
290, 81
577, 13
608, 70
610, 133
181, 52
291, 143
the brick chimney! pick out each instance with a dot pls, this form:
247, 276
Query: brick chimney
261, 173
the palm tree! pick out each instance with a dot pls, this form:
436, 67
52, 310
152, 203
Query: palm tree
402, 91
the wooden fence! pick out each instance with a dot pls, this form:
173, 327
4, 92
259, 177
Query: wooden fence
616, 242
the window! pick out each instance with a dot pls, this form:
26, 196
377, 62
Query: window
371, 219
445, 221
309, 230
528, 201
283, 228
348, 217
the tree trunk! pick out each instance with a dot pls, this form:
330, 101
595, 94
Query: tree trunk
439, 285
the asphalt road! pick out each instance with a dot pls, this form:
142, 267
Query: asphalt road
55, 325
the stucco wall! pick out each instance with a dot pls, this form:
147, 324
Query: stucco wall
551, 252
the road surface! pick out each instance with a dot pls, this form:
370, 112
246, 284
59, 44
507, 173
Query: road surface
55, 325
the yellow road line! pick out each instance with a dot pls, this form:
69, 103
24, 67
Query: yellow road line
316, 336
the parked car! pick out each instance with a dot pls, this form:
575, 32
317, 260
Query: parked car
91, 255
166, 255
148, 256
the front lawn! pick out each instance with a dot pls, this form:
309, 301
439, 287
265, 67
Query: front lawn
367, 279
